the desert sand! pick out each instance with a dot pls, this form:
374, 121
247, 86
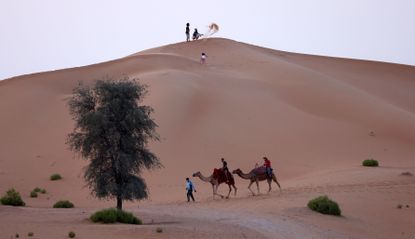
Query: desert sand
316, 118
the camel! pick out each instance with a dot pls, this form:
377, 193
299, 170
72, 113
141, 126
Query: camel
256, 175
216, 179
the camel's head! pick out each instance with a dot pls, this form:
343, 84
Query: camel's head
196, 174
237, 171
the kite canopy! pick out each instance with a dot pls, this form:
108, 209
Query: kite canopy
213, 28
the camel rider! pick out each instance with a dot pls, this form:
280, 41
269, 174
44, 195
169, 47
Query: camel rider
267, 165
225, 169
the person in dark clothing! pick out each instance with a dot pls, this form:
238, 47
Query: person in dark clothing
225, 169
190, 188
187, 32
196, 34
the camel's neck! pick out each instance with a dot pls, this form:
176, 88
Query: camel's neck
244, 175
203, 178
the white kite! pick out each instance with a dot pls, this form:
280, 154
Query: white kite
213, 28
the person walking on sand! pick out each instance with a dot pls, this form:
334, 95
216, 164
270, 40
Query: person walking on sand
203, 58
187, 32
267, 165
190, 188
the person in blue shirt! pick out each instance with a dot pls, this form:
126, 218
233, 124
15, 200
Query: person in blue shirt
190, 187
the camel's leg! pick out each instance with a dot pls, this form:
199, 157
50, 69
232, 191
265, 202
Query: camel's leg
213, 188
257, 185
230, 190
249, 187
274, 178
215, 192
269, 181
234, 187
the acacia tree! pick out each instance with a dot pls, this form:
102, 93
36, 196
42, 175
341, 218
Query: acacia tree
112, 131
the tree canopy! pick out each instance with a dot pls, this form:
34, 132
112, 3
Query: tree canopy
112, 130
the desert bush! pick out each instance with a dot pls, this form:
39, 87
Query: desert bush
159, 229
39, 190
12, 198
71, 234
112, 215
407, 173
370, 163
63, 204
55, 176
33, 194
324, 205
30, 234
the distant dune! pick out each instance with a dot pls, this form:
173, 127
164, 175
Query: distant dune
315, 117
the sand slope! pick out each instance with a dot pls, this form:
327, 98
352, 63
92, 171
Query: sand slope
311, 115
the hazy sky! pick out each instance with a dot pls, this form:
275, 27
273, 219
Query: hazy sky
43, 35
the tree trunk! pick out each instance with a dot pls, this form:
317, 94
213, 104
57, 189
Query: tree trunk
119, 203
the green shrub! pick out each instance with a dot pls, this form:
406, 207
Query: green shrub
30, 234
33, 194
370, 163
55, 176
113, 215
39, 190
159, 229
324, 205
71, 234
12, 198
63, 204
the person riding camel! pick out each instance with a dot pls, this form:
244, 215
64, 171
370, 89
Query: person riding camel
267, 165
225, 169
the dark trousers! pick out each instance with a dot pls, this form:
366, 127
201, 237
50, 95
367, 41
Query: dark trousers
268, 171
190, 195
226, 171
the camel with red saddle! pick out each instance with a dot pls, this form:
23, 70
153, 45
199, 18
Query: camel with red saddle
216, 179
256, 175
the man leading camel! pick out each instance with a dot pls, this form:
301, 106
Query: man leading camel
190, 188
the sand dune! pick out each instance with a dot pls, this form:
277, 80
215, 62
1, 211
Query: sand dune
311, 115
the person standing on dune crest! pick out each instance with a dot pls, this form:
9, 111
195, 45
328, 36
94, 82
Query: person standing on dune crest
187, 32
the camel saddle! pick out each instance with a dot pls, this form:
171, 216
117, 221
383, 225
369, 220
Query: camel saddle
259, 171
219, 174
